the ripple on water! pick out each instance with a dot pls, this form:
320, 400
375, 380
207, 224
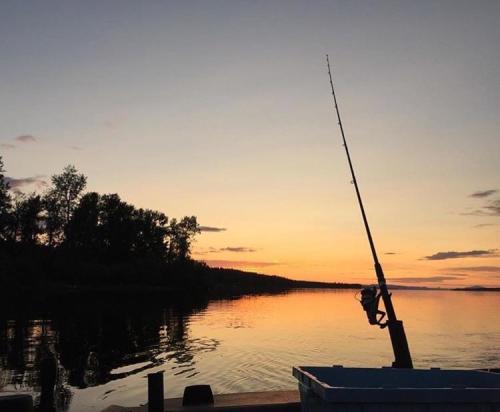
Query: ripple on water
248, 344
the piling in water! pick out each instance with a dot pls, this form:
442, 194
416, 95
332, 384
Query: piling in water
155, 392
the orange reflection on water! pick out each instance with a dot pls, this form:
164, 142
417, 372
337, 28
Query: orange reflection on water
329, 326
251, 344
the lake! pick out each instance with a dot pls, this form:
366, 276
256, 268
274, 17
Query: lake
105, 350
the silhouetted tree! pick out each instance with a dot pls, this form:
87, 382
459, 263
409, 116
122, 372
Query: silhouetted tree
108, 225
151, 232
180, 237
53, 221
61, 200
5, 203
90, 238
68, 187
116, 226
82, 231
26, 218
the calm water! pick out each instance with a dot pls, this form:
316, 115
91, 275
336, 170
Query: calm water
248, 344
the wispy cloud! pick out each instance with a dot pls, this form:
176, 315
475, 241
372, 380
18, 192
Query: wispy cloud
490, 209
458, 255
390, 253
237, 249
483, 193
212, 229
427, 279
492, 206
7, 145
22, 139
480, 225
26, 138
493, 209
491, 269
16, 184
77, 148
238, 263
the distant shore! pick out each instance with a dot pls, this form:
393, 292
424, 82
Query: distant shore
39, 276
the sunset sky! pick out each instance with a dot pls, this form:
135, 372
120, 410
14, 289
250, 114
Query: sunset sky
222, 109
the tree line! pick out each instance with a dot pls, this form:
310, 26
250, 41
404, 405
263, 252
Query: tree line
103, 226
69, 240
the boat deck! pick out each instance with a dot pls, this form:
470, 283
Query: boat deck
276, 401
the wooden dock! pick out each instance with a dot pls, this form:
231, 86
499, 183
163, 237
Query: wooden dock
276, 401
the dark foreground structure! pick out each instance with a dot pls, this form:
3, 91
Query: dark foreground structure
325, 389
276, 401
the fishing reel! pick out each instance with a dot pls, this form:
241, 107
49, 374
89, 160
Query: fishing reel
370, 301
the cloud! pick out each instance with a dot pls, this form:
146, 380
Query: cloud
26, 138
484, 225
492, 269
75, 148
212, 229
238, 263
493, 209
16, 184
7, 146
483, 193
476, 212
390, 253
428, 279
238, 249
457, 255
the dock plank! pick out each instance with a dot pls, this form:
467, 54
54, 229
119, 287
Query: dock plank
275, 401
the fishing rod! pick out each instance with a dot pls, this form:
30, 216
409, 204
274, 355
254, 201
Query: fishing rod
369, 297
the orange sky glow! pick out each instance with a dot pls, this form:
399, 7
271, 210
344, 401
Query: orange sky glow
224, 111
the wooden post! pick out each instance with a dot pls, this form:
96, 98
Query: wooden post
155, 392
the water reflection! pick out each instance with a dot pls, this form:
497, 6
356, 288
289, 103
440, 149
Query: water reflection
104, 348
93, 345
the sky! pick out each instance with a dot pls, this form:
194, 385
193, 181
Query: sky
222, 110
